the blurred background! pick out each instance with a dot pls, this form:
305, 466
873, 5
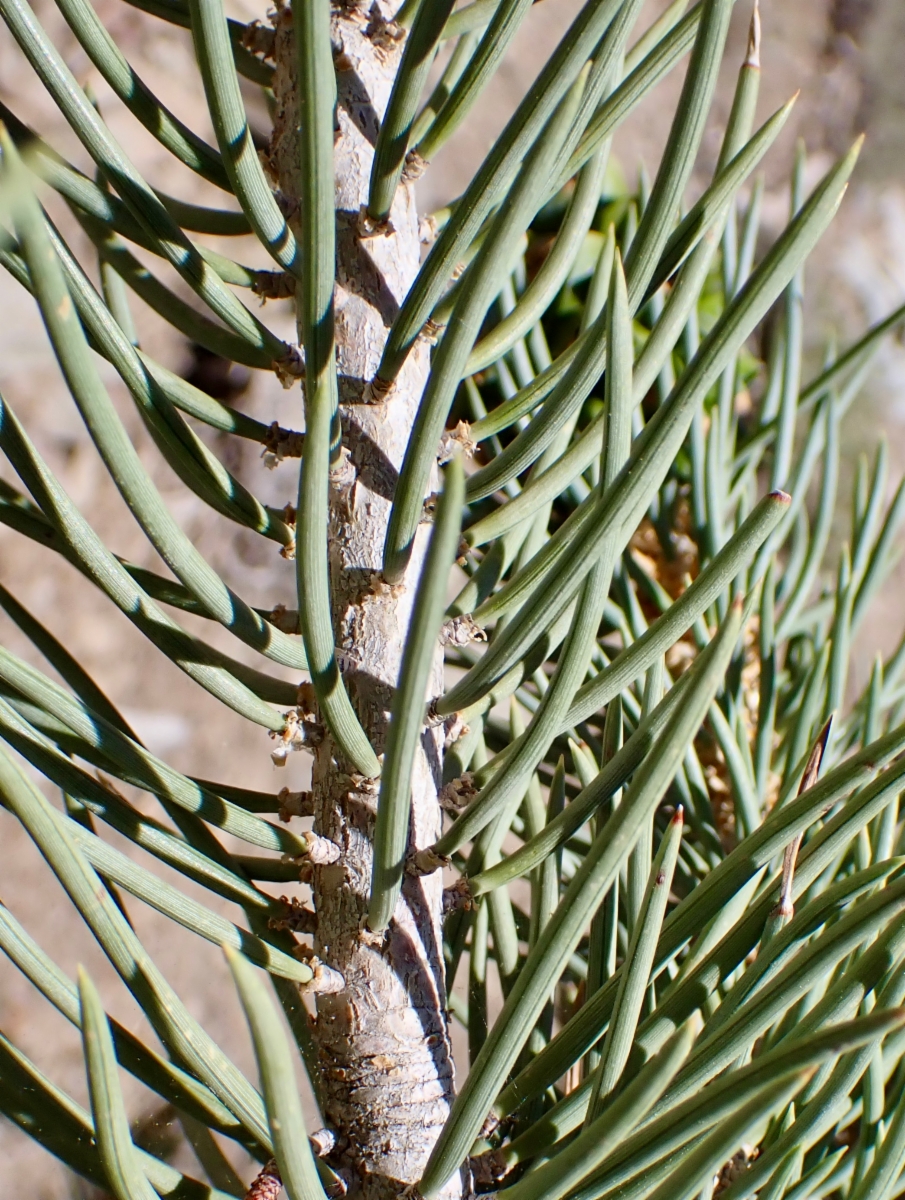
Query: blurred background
844, 55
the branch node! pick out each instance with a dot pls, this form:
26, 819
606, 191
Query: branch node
273, 285
283, 618
369, 227
457, 898
320, 850
376, 390
295, 919
371, 937
322, 1142
425, 862
384, 34
297, 734
341, 60
415, 166
431, 330
488, 1169
306, 698
455, 795
456, 439
281, 443
295, 804
289, 367
259, 38
326, 981
454, 726
461, 631
289, 206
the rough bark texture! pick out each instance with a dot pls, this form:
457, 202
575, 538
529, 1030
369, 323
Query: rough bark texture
387, 1075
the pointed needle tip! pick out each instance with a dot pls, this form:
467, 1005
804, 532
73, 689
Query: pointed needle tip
825, 731
753, 55
815, 758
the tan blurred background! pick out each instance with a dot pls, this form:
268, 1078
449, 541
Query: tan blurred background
844, 55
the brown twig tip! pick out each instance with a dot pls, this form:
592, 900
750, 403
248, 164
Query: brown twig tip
753, 56
267, 1185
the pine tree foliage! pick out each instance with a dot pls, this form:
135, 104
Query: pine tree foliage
680, 855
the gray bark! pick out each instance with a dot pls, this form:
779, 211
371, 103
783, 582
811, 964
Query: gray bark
382, 1036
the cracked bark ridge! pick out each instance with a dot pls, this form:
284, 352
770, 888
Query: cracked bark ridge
382, 1038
